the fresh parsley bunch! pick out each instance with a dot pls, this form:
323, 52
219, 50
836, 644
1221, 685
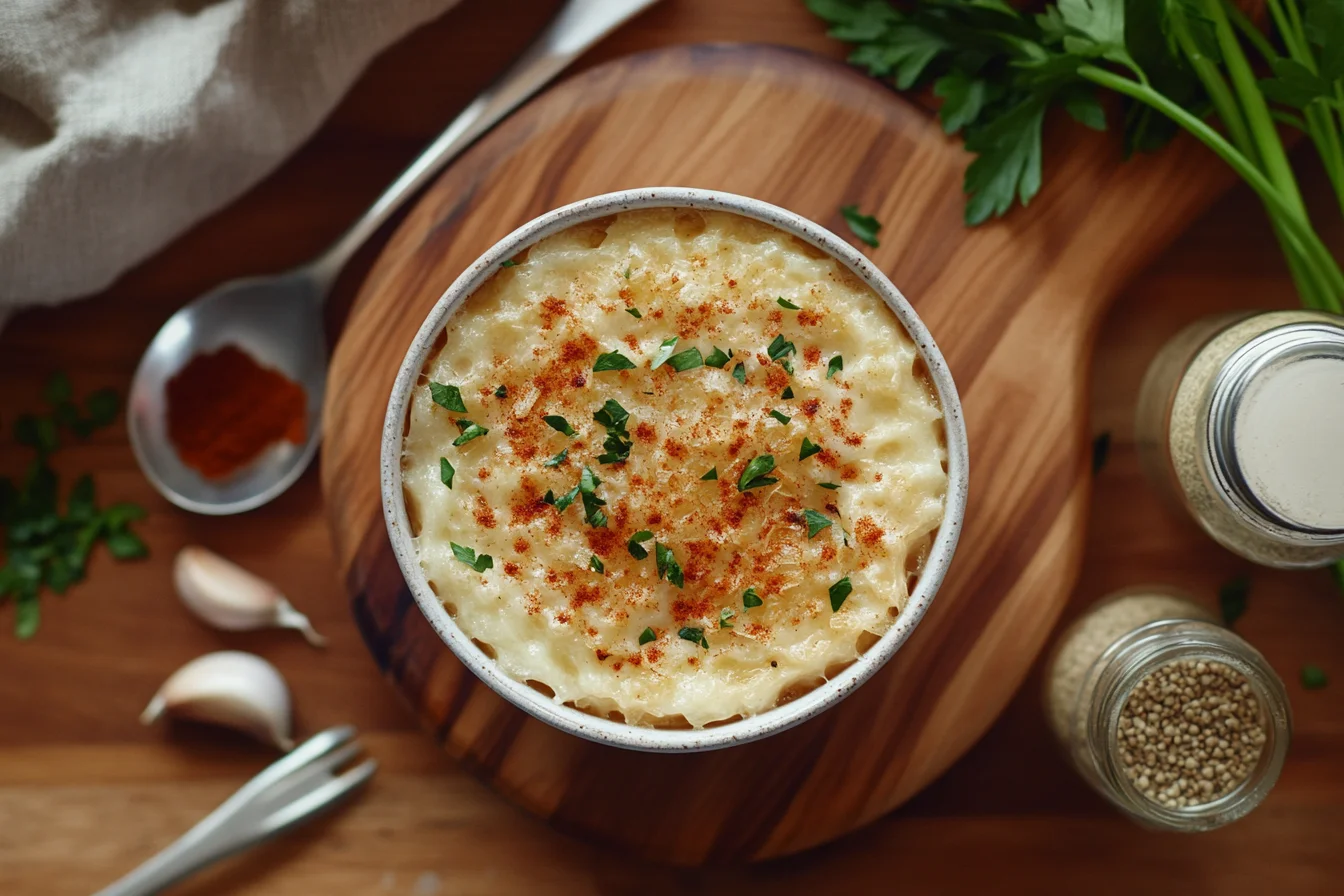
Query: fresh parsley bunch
42, 546
1197, 65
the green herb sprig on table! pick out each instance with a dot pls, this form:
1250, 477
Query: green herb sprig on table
1201, 66
43, 547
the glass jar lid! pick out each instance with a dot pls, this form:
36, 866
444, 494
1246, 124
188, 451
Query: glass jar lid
1276, 424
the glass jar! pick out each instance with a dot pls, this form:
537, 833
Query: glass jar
1240, 421
1171, 717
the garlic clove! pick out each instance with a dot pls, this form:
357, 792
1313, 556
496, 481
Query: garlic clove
227, 596
231, 688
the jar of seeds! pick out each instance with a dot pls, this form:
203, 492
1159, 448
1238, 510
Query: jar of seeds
1240, 422
1171, 717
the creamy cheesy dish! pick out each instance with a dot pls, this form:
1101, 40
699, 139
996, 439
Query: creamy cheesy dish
674, 467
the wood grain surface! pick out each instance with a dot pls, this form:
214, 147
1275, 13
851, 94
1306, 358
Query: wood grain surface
86, 793
1013, 306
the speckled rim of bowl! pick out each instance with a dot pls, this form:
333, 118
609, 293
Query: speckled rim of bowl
620, 734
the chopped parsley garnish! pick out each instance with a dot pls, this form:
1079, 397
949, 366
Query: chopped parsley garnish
1314, 678
726, 618
646, 636
508, 263
468, 556
588, 483
557, 460
469, 431
787, 393
694, 635
635, 548
1232, 599
755, 474
447, 397
627, 272
839, 591
751, 599
446, 472
782, 418
502, 392
716, 358
865, 227
595, 563
664, 352
815, 522
785, 303
667, 564
837, 364
561, 502
559, 424
780, 348
740, 373
808, 449
830, 485
687, 360
612, 361
618, 443
633, 312
711, 475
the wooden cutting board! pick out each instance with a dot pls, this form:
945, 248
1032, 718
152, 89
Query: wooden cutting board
1013, 305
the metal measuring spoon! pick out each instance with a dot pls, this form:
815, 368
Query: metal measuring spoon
278, 319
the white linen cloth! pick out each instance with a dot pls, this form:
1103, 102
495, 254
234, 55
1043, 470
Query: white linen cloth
123, 122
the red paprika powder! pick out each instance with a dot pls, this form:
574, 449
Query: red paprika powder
225, 409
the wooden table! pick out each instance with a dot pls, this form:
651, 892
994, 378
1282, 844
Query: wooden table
86, 792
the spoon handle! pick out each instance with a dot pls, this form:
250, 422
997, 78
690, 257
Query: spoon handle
578, 25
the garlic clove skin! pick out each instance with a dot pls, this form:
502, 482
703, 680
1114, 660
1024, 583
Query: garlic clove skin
227, 596
231, 688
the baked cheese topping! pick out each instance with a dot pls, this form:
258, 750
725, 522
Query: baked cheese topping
696, 466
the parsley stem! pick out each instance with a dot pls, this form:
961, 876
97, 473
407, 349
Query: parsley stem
1314, 252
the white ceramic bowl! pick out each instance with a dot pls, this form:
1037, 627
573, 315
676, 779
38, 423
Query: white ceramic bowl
568, 718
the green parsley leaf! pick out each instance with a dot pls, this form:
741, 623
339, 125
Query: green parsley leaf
726, 616
633, 312
711, 475
612, 361
815, 522
595, 563
667, 564
865, 227
559, 424
754, 475
562, 502
627, 272
687, 360
740, 373
102, 407
716, 358
447, 397
837, 364
694, 635
787, 393
468, 556
502, 392
830, 485
126, 545
1314, 678
839, 591
508, 263
964, 96
469, 431
1232, 599
27, 616
58, 391
808, 449
664, 352
617, 444
634, 547
588, 483
782, 418
557, 460
751, 599
612, 415
1008, 165
785, 303
647, 636
446, 472
779, 348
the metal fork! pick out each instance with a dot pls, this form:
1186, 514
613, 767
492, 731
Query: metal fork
286, 793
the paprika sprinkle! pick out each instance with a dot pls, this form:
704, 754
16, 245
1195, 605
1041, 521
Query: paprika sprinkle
225, 409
